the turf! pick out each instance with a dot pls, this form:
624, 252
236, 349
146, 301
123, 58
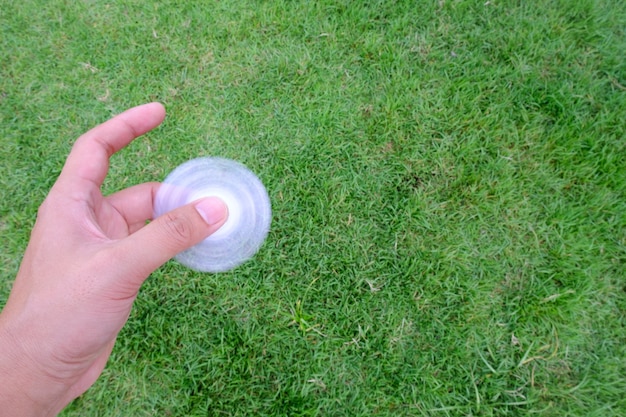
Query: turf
448, 186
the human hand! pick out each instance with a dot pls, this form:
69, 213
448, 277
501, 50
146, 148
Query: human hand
86, 260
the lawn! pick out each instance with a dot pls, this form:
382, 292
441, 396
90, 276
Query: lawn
448, 182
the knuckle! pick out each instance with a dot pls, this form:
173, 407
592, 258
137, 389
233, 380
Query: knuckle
178, 228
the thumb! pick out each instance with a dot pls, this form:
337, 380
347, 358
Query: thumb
166, 236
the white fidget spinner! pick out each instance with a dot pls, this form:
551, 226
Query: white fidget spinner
249, 210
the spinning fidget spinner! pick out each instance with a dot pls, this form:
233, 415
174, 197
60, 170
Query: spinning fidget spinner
249, 210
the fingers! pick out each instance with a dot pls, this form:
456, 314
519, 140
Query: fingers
135, 204
162, 239
88, 161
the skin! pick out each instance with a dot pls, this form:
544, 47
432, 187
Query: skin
87, 257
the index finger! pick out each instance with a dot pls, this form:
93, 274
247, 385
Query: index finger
89, 159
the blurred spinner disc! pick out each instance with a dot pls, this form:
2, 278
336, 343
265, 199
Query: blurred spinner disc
249, 210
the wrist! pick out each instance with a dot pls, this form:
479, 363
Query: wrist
25, 388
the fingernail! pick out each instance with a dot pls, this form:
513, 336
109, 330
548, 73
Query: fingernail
212, 209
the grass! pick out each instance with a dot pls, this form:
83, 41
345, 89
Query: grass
448, 187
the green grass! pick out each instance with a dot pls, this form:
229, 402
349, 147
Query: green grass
448, 183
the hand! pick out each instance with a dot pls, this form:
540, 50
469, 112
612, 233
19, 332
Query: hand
86, 260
